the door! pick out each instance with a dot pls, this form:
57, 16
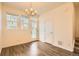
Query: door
34, 28
49, 33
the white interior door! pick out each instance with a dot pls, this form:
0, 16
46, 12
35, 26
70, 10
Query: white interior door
49, 33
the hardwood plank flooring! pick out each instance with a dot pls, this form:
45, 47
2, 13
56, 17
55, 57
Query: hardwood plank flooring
35, 49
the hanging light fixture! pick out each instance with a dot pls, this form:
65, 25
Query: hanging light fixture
31, 11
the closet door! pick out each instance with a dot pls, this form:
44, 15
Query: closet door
49, 34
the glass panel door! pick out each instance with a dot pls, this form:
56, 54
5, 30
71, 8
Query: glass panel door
34, 28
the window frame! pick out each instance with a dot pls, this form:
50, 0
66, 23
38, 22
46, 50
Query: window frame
10, 26
23, 22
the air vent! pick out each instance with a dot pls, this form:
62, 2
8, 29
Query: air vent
59, 42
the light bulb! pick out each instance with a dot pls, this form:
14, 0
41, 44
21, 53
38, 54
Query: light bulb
31, 9
35, 11
26, 10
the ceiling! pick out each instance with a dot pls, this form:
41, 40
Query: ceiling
41, 7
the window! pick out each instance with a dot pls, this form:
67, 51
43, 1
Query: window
11, 21
24, 22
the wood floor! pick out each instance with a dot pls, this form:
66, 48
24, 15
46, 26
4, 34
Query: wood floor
35, 49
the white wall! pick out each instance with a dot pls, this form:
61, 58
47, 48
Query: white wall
62, 19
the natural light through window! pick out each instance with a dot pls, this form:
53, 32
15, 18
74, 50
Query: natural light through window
11, 21
34, 27
24, 22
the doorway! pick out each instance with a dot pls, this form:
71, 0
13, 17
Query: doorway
34, 23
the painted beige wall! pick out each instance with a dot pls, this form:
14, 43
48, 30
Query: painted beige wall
62, 19
0, 28
76, 5
15, 36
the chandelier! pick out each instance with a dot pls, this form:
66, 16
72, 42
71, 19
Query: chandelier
31, 11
